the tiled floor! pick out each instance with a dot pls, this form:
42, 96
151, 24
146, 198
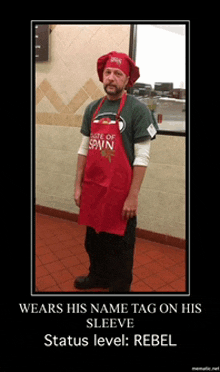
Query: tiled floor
61, 257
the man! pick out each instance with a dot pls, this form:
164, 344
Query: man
112, 161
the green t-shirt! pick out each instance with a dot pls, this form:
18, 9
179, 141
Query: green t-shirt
137, 123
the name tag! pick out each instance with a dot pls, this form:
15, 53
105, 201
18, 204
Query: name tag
151, 130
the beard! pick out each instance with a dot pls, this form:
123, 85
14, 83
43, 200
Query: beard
112, 92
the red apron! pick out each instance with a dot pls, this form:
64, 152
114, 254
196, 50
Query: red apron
107, 178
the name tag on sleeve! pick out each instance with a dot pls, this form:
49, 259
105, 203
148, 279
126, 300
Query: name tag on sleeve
151, 130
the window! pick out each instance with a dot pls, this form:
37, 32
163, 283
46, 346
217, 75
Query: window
160, 52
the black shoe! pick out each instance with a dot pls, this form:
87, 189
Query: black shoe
86, 282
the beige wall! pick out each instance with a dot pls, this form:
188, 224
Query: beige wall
162, 196
64, 87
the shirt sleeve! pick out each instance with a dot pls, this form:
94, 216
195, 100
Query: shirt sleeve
84, 147
86, 124
145, 124
142, 153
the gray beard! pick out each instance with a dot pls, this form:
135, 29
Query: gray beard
115, 93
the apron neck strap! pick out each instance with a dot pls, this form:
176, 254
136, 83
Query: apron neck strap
122, 103
98, 108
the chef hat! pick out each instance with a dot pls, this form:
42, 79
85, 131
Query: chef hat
121, 61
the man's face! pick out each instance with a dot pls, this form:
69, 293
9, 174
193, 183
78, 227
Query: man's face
114, 81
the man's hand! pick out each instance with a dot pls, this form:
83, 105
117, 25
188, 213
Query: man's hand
77, 195
131, 203
130, 207
81, 164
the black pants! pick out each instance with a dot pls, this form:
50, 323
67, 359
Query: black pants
111, 257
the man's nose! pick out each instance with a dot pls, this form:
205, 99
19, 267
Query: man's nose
111, 77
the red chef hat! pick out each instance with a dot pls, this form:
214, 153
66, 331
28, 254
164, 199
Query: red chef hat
121, 61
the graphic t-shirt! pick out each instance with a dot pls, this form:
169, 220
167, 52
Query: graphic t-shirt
137, 123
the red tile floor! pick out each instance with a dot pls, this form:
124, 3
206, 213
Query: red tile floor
61, 257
